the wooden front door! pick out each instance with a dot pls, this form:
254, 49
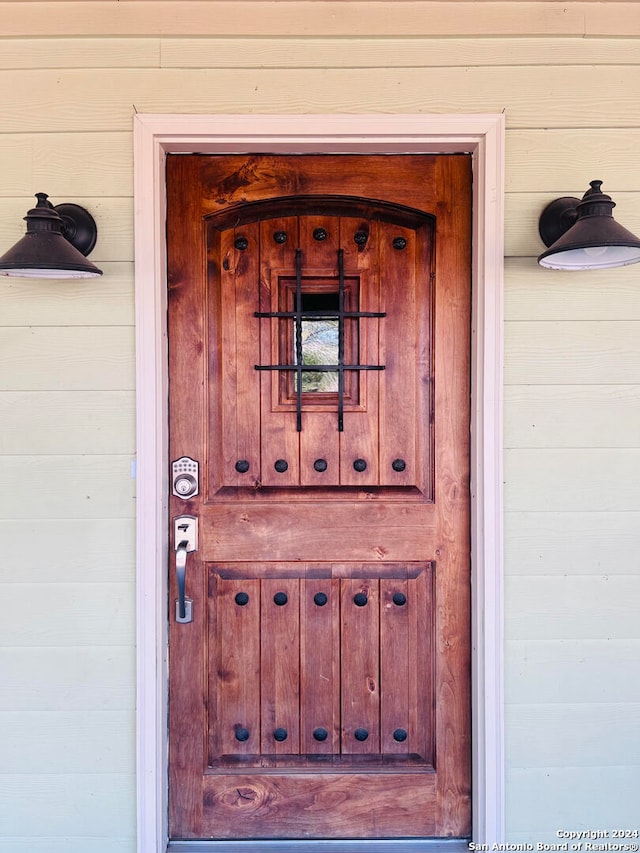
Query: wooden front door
319, 338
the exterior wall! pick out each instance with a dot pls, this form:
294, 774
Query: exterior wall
71, 76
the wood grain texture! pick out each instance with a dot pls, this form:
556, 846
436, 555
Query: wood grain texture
320, 667
268, 533
265, 17
264, 807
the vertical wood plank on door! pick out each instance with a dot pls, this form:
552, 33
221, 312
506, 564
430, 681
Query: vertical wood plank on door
360, 437
396, 655
185, 298
237, 671
280, 441
246, 408
360, 667
320, 665
452, 588
319, 439
421, 675
280, 665
398, 390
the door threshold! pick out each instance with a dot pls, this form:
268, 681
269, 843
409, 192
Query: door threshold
396, 845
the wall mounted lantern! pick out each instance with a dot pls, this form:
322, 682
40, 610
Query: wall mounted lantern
55, 245
583, 235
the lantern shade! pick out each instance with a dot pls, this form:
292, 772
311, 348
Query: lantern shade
583, 235
55, 244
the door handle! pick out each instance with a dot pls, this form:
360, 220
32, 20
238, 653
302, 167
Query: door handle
181, 577
186, 540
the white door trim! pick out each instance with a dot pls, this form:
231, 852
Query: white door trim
154, 137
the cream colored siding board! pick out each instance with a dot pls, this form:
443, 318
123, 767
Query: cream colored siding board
67, 358
64, 679
571, 543
67, 166
560, 796
103, 551
571, 735
101, 804
95, 422
573, 607
572, 480
392, 53
79, 741
80, 487
94, 100
80, 53
265, 17
545, 160
572, 416
86, 614
105, 301
569, 671
68, 844
565, 353
533, 293
295, 17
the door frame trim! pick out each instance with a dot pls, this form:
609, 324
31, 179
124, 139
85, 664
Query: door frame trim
155, 136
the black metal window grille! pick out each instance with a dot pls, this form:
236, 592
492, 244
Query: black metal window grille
298, 316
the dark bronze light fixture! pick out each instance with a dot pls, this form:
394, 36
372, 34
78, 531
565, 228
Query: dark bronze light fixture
55, 245
583, 235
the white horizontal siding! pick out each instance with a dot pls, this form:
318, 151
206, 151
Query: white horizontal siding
545, 671
65, 741
82, 678
95, 422
102, 549
572, 366
574, 734
111, 844
85, 614
95, 804
83, 487
545, 800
